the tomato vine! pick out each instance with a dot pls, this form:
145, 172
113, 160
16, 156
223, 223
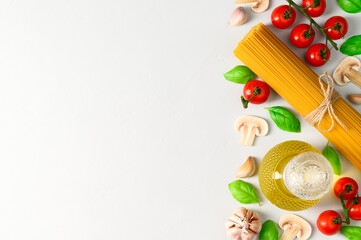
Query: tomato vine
322, 30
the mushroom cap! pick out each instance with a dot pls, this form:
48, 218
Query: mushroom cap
261, 6
251, 121
343, 67
290, 220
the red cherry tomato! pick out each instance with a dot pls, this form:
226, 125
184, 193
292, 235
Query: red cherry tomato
342, 184
301, 36
318, 54
337, 27
248, 91
355, 210
314, 11
282, 17
329, 222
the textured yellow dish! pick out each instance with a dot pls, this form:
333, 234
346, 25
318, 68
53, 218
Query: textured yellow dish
270, 175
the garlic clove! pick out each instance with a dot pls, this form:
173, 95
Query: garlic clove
247, 169
354, 98
238, 17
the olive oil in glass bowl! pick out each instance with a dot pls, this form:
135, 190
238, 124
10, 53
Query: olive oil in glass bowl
294, 175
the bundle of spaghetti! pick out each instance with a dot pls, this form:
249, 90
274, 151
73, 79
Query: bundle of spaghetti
294, 81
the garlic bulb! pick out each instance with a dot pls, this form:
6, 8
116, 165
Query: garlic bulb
243, 224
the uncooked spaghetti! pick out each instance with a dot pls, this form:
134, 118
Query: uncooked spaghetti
294, 81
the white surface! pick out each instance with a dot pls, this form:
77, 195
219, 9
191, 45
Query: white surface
117, 123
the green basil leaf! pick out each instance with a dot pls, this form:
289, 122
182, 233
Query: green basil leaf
350, 6
243, 192
269, 231
332, 157
351, 46
240, 74
284, 119
351, 232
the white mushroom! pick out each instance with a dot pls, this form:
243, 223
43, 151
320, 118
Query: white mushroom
347, 71
238, 17
354, 98
251, 126
247, 169
294, 226
243, 224
256, 5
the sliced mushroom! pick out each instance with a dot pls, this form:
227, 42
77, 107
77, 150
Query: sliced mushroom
294, 226
347, 71
251, 126
243, 224
247, 169
354, 98
256, 5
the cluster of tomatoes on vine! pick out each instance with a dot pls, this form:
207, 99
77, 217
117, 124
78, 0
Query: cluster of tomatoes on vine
329, 222
303, 35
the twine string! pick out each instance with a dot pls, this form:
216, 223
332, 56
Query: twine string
331, 97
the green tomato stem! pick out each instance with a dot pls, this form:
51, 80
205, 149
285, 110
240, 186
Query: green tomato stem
316, 3
337, 27
287, 14
309, 33
345, 210
354, 201
313, 22
245, 102
323, 53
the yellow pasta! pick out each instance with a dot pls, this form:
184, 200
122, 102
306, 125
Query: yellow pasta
294, 81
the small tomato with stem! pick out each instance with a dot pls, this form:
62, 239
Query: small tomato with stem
283, 16
302, 35
329, 222
256, 92
354, 208
347, 187
318, 54
314, 8
336, 27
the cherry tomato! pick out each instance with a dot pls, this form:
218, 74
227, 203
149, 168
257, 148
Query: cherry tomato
355, 210
248, 91
282, 17
337, 27
318, 54
301, 36
314, 11
342, 184
329, 222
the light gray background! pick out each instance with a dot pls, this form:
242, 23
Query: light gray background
116, 121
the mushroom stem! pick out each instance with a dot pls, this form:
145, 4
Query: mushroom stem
293, 226
248, 136
354, 76
249, 127
290, 233
246, 1
256, 5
